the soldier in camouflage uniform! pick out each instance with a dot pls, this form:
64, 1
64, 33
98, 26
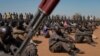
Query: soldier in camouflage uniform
13, 21
84, 33
20, 25
1, 20
9, 45
59, 42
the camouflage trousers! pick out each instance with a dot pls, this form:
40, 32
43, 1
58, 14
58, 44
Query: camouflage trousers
30, 50
82, 38
62, 47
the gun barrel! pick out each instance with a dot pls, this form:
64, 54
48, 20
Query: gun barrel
47, 6
30, 34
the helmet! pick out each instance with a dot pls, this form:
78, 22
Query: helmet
5, 30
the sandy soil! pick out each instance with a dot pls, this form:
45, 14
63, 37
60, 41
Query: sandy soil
43, 49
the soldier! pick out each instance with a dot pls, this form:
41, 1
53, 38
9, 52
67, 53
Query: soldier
13, 22
84, 33
1, 20
10, 44
9, 18
7, 39
20, 25
0, 16
59, 42
27, 18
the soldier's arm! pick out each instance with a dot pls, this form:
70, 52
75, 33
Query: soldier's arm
62, 39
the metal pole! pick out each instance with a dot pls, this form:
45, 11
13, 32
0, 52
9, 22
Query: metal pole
32, 22
45, 8
30, 34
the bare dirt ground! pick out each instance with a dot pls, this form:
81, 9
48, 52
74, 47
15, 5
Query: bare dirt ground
43, 47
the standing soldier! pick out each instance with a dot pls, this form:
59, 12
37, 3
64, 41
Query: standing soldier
0, 16
20, 22
1, 19
13, 22
8, 19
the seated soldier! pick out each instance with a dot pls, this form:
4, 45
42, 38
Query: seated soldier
7, 39
9, 44
59, 43
83, 33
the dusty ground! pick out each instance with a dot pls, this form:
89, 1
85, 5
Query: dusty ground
43, 49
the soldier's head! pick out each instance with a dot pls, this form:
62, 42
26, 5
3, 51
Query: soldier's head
5, 31
2, 31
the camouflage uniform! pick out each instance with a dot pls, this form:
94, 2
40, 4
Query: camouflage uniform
30, 50
58, 43
9, 45
7, 39
82, 34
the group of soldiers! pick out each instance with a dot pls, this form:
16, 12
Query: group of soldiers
13, 32
13, 29
15, 19
60, 29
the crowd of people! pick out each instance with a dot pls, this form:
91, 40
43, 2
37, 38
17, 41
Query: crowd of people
56, 28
